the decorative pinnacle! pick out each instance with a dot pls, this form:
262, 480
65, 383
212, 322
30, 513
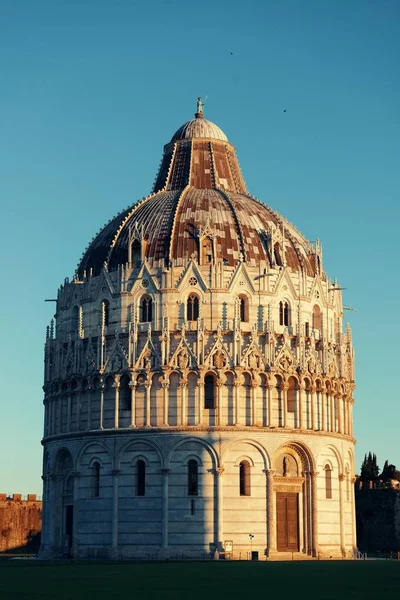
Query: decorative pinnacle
199, 114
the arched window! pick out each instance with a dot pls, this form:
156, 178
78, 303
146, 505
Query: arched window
96, 480
193, 477
140, 478
136, 250
317, 317
277, 255
244, 478
328, 482
146, 309
206, 251
192, 307
244, 308
209, 391
105, 313
284, 314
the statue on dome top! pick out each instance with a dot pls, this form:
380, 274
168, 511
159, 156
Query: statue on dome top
200, 106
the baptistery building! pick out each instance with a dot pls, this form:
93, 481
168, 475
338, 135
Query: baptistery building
198, 386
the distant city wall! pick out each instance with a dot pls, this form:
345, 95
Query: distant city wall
20, 522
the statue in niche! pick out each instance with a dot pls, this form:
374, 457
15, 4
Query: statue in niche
285, 362
116, 363
147, 360
284, 466
183, 359
332, 370
219, 360
311, 365
254, 361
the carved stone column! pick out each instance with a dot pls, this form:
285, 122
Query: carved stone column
351, 402
114, 526
219, 471
102, 386
69, 408
147, 386
60, 408
271, 420
183, 386
218, 412
236, 385
164, 516
341, 501
78, 408
254, 387
323, 411
300, 421
333, 412
89, 407
314, 512
313, 400
284, 389
271, 512
75, 544
200, 407
339, 404
165, 388
53, 414
116, 406
132, 385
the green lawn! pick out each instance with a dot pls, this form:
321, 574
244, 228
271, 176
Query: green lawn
200, 581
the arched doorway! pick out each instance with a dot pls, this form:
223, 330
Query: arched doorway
293, 501
64, 517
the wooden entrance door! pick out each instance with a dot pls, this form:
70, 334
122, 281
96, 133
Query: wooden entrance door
287, 522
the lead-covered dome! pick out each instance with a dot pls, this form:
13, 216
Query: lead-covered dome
199, 185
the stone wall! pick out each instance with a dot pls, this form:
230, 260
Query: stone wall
378, 520
20, 522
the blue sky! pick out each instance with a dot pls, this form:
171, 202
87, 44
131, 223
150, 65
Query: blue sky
90, 91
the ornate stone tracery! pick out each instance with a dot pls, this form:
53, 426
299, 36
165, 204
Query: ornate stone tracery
235, 373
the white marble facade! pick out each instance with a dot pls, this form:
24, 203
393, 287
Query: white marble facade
194, 400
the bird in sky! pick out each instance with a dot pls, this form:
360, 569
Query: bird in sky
285, 110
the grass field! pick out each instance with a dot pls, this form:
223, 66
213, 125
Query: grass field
205, 581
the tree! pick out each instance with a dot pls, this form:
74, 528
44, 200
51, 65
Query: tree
369, 468
389, 472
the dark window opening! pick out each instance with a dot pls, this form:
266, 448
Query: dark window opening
192, 308
192, 507
284, 314
244, 309
146, 309
328, 482
307, 329
136, 254
244, 478
209, 392
277, 255
193, 478
140, 478
125, 393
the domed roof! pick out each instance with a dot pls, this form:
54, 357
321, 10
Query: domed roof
199, 128
199, 190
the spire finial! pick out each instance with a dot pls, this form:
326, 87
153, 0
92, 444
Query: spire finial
199, 114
